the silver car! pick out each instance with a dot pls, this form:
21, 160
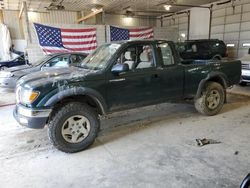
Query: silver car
9, 77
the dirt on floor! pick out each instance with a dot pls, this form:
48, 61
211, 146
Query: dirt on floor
148, 147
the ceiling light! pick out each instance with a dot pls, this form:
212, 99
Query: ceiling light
94, 9
167, 7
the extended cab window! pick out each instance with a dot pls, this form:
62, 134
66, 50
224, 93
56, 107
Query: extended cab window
166, 52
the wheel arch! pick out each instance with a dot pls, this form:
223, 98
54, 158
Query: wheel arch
86, 95
212, 77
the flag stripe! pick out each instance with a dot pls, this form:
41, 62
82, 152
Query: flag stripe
138, 35
78, 33
93, 40
79, 30
140, 29
80, 46
78, 37
78, 43
141, 32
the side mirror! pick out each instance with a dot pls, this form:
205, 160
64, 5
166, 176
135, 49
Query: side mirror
120, 68
249, 51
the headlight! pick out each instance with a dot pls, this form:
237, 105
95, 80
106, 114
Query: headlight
5, 74
27, 96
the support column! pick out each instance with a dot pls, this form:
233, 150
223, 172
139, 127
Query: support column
1, 16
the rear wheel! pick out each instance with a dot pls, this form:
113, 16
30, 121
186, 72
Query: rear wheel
211, 100
74, 127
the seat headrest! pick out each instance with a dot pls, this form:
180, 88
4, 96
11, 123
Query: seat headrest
128, 55
144, 57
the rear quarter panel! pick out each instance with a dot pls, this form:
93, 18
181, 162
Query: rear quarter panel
230, 71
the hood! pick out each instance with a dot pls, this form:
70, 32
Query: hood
22, 70
18, 68
55, 75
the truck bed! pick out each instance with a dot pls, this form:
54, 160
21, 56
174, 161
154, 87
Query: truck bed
197, 70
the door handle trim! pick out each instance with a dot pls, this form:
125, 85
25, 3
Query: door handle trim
117, 80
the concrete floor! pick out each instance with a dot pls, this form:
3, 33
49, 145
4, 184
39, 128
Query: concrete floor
149, 147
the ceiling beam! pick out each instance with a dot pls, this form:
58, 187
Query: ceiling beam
21, 10
90, 15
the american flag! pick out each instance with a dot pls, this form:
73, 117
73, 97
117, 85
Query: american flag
117, 34
57, 40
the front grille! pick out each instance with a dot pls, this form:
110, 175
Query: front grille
245, 66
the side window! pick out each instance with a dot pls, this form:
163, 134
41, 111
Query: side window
59, 61
167, 56
128, 56
145, 57
76, 59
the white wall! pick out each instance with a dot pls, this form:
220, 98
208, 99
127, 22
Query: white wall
199, 23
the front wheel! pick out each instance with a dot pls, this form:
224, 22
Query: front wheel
242, 83
212, 99
74, 127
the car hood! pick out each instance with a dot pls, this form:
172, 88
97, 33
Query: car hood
22, 70
55, 76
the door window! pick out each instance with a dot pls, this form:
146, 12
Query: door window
145, 56
76, 59
59, 61
166, 52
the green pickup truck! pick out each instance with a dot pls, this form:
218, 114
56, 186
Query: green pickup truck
115, 77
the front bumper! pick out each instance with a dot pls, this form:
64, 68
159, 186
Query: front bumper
245, 75
8, 82
32, 118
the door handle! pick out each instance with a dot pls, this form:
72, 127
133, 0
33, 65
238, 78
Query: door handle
155, 76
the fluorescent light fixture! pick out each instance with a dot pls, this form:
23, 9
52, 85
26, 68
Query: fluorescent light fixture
246, 45
94, 10
183, 35
167, 7
230, 45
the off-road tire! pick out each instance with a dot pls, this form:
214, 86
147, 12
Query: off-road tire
61, 115
201, 103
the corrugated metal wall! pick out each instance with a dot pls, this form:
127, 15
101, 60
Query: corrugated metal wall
232, 24
58, 17
179, 22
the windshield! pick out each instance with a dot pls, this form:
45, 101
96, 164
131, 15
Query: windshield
99, 58
41, 60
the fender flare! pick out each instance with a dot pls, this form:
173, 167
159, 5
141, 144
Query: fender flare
213, 75
76, 91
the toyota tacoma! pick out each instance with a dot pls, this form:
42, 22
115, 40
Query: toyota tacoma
115, 77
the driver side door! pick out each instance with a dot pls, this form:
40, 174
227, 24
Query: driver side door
135, 87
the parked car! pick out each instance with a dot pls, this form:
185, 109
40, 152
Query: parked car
202, 49
9, 77
115, 77
245, 72
18, 61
